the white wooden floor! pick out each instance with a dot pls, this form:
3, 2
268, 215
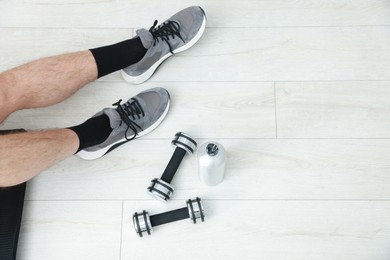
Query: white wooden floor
297, 92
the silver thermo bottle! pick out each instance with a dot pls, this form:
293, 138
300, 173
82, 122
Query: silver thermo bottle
211, 163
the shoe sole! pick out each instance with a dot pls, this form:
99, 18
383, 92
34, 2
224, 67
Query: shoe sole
100, 153
147, 74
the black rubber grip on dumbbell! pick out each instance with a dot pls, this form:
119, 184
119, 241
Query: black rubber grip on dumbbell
170, 216
173, 164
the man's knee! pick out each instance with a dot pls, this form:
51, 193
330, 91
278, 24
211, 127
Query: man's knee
6, 105
8, 82
4, 86
7, 177
6, 183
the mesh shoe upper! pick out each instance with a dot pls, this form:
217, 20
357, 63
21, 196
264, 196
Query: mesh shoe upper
172, 36
135, 118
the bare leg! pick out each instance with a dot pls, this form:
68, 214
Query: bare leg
45, 82
48, 81
38, 84
33, 152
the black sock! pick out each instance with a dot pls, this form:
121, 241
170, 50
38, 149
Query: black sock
93, 131
118, 56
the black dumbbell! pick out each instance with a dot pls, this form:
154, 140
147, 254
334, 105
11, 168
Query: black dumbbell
162, 189
143, 223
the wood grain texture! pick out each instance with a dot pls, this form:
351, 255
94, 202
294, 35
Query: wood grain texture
333, 109
229, 13
204, 109
284, 54
265, 230
256, 169
261, 54
70, 230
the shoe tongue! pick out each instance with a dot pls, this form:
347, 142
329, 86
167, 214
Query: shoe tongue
113, 115
146, 38
115, 118
142, 104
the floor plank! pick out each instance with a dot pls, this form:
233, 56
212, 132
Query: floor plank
256, 169
284, 54
206, 110
262, 54
237, 229
333, 109
70, 230
233, 14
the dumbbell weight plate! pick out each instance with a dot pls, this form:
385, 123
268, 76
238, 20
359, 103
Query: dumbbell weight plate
195, 209
185, 142
141, 222
160, 189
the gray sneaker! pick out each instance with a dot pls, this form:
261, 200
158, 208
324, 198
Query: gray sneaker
175, 35
137, 117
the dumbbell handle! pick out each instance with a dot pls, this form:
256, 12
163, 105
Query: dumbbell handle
173, 164
170, 216
144, 223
